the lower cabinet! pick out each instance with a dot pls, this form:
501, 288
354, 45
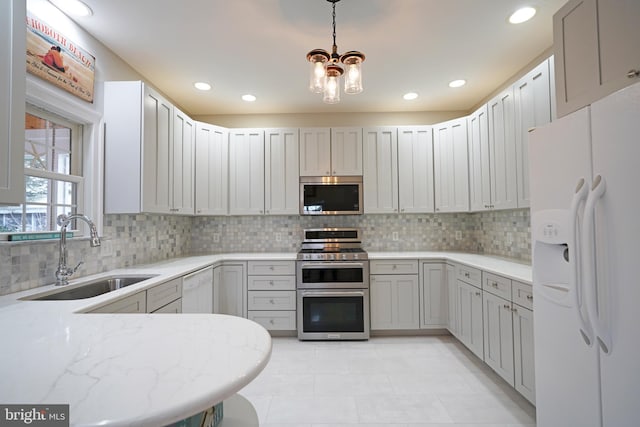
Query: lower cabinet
498, 336
230, 289
452, 290
433, 295
394, 295
524, 365
163, 294
469, 317
174, 307
271, 294
136, 303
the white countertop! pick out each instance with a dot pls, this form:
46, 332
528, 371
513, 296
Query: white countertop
147, 369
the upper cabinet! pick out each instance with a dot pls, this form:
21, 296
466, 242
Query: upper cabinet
246, 171
281, 176
415, 169
533, 107
380, 178
211, 175
148, 167
479, 175
325, 152
12, 86
596, 52
451, 170
502, 151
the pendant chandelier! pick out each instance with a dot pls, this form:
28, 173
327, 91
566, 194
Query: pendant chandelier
326, 71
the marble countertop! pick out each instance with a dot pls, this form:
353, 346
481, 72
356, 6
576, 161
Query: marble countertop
146, 369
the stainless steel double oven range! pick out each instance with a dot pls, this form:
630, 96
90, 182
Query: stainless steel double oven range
332, 286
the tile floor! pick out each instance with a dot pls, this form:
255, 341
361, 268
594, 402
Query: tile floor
386, 381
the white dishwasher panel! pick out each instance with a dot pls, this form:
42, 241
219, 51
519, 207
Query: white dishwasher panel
197, 292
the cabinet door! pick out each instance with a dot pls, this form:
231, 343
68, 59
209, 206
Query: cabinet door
498, 336
502, 151
315, 152
246, 172
346, 151
452, 303
12, 107
380, 177
211, 175
136, 303
184, 133
282, 179
533, 108
451, 170
434, 295
470, 331
230, 290
523, 349
415, 171
479, 170
394, 302
157, 166
197, 291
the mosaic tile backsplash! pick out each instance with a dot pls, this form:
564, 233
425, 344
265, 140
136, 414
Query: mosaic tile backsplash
137, 239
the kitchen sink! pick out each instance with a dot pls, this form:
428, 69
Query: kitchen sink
92, 288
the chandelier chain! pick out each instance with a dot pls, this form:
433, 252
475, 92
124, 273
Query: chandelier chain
334, 24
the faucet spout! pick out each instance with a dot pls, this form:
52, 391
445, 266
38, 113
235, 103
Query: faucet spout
64, 271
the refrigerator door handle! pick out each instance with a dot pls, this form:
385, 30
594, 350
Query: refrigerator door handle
575, 260
589, 266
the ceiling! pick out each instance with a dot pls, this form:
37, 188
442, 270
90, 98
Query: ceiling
259, 47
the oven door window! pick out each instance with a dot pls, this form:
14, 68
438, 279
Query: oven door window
332, 275
333, 314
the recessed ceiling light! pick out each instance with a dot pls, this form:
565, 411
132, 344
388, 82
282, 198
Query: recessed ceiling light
73, 7
457, 83
202, 86
410, 96
522, 15
248, 98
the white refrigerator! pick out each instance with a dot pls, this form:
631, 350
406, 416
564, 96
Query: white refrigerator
585, 225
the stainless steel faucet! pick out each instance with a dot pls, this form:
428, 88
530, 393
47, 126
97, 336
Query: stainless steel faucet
64, 271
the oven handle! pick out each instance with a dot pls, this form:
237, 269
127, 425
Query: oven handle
340, 264
332, 293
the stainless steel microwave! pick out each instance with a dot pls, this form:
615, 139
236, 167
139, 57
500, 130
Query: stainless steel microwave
331, 195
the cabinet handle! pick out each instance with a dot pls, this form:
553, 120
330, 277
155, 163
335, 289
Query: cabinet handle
478, 294
271, 267
272, 322
271, 301
466, 274
327, 173
632, 74
507, 306
515, 310
402, 210
334, 172
494, 285
530, 297
394, 267
271, 283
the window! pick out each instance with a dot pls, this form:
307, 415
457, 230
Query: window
53, 174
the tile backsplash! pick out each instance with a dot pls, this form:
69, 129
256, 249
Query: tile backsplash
137, 239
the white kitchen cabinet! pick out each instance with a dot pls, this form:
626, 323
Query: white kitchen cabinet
281, 175
595, 49
415, 169
230, 289
315, 152
502, 151
138, 149
272, 294
197, 291
163, 294
469, 313
380, 178
498, 336
174, 307
12, 108
183, 194
211, 175
479, 168
325, 151
246, 171
136, 303
395, 301
433, 292
523, 349
452, 291
532, 94
451, 170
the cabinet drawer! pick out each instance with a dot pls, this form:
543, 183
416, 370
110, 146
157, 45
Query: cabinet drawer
275, 320
394, 266
136, 303
271, 300
272, 283
163, 294
469, 275
523, 294
271, 268
172, 307
497, 285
